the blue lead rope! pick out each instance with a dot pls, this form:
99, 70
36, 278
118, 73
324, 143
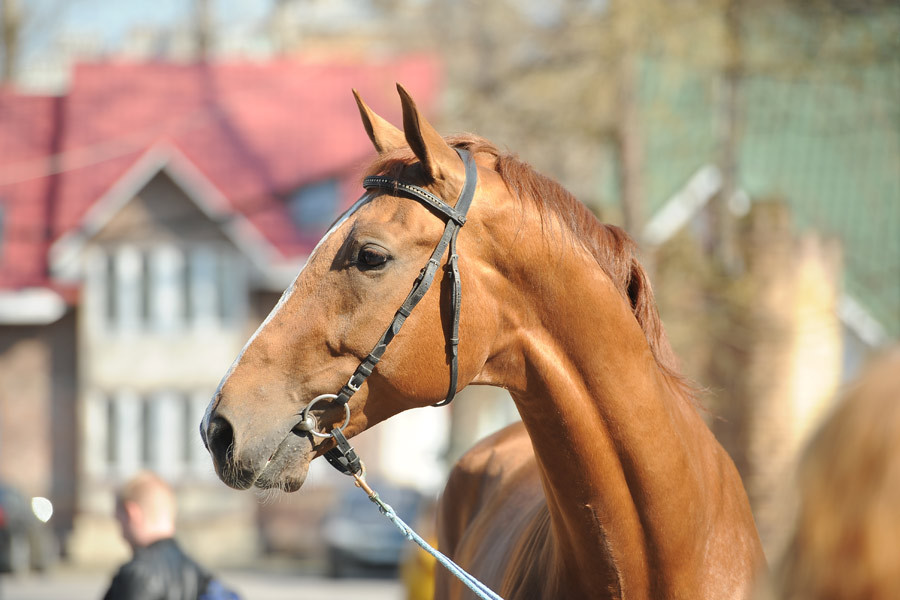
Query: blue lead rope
478, 588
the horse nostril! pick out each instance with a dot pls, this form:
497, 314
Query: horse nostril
220, 439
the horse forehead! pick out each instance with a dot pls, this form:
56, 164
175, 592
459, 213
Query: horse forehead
391, 215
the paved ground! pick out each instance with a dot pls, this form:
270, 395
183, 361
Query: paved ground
68, 584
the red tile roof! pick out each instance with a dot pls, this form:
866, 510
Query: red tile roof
256, 131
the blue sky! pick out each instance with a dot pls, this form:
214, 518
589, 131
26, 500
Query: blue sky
110, 19
113, 17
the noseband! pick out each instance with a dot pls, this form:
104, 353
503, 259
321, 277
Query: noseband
456, 218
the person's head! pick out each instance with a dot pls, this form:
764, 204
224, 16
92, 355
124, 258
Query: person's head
845, 541
145, 507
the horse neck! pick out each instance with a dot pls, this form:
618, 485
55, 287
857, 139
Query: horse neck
622, 454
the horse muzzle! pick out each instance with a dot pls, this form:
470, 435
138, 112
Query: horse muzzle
276, 459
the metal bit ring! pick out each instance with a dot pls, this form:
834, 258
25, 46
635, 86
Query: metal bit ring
309, 422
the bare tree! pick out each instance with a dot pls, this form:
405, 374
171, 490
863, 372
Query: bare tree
202, 28
21, 24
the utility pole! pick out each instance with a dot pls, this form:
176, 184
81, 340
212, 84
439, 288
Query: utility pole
10, 29
202, 29
630, 150
723, 233
627, 132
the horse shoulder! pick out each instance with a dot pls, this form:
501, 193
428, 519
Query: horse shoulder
493, 518
474, 478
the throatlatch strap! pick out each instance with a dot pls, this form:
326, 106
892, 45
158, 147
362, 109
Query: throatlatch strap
462, 205
455, 305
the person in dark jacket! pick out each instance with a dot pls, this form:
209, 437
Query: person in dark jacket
159, 569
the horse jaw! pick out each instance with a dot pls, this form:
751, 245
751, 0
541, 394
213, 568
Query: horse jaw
289, 465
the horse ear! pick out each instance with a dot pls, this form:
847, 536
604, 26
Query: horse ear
385, 137
438, 158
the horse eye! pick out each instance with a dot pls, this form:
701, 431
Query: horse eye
371, 257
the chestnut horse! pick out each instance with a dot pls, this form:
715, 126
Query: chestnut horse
611, 487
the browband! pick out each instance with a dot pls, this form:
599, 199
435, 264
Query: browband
421, 194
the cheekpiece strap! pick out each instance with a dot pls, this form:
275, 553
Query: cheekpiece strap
456, 218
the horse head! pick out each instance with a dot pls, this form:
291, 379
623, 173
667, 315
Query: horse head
328, 320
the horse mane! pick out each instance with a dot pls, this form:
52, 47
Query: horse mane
613, 249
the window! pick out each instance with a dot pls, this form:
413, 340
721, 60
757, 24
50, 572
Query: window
315, 206
215, 288
110, 298
168, 289
156, 430
190, 434
125, 291
111, 416
230, 300
148, 448
145, 300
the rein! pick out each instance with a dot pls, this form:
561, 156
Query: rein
477, 588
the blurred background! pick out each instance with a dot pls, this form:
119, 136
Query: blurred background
166, 167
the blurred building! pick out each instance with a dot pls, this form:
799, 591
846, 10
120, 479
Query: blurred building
149, 219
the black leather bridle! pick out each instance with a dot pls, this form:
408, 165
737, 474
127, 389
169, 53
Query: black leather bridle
343, 457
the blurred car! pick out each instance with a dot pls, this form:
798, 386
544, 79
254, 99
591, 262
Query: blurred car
26, 540
363, 542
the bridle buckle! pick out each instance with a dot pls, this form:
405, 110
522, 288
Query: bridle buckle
352, 386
